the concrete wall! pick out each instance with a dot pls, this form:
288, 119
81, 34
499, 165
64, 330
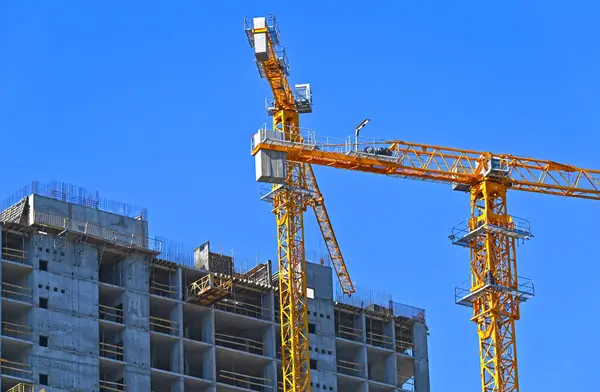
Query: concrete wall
121, 224
71, 320
322, 341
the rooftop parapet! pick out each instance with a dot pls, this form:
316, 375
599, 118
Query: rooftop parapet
74, 194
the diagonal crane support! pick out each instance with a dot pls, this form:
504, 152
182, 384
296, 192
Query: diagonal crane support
495, 291
333, 247
290, 198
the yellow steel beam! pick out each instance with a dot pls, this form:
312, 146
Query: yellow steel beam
449, 165
494, 269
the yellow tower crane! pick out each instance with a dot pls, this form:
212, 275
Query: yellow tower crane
290, 198
495, 291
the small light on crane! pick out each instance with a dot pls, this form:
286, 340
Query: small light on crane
360, 126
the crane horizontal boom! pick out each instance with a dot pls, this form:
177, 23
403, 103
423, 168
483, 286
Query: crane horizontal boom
462, 168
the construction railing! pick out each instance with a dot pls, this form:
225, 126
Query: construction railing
110, 386
112, 351
16, 255
379, 340
94, 230
405, 347
243, 308
163, 290
239, 343
17, 292
163, 325
17, 331
349, 333
242, 380
16, 369
350, 368
110, 313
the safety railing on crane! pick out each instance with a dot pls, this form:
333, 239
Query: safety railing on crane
464, 294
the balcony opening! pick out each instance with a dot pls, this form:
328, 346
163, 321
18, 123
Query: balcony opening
239, 334
111, 342
163, 314
196, 322
110, 268
16, 321
163, 281
111, 377
110, 303
14, 247
163, 353
348, 325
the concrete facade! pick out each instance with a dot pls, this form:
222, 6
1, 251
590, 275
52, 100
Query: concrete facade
88, 304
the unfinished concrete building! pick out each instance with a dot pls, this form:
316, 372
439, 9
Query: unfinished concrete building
90, 303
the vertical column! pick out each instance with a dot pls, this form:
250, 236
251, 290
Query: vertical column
269, 336
136, 306
391, 363
421, 358
494, 270
1, 318
361, 320
179, 318
209, 360
177, 352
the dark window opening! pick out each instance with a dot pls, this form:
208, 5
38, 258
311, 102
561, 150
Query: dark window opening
312, 328
43, 265
43, 303
43, 379
313, 364
43, 341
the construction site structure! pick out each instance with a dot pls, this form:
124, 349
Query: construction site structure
89, 302
495, 291
299, 190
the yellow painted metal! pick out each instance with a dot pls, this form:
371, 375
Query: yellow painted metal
289, 205
209, 289
23, 387
493, 253
318, 204
450, 165
493, 271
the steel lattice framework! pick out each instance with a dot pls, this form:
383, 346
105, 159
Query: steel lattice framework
496, 291
290, 200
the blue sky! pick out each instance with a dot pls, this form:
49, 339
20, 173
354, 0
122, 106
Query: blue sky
154, 104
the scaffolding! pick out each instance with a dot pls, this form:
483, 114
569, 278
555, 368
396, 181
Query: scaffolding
22, 387
209, 290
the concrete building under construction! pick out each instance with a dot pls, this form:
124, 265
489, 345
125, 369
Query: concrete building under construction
91, 303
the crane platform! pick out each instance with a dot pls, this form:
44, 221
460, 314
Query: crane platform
462, 236
209, 289
465, 296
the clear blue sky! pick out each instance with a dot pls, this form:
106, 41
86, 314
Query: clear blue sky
154, 104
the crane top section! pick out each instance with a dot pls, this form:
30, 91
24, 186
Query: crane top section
272, 64
458, 167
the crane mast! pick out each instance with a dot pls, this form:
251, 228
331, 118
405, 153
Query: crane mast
290, 197
495, 290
